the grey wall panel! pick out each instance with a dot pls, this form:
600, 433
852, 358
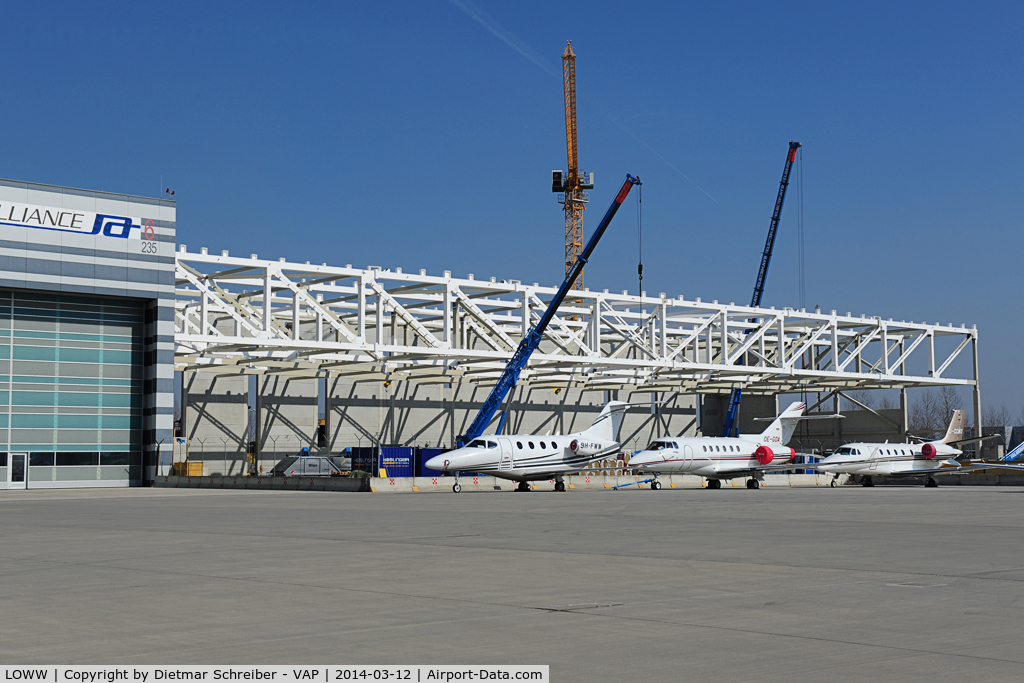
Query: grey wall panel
216, 413
287, 415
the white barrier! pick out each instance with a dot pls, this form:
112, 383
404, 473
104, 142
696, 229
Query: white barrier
582, 481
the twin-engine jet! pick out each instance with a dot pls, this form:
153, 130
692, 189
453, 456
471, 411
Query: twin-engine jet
529, 457
912, 459
718, 458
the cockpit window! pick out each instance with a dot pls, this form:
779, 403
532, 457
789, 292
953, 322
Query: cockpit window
491, 444
657, 446
477, 443
843, 451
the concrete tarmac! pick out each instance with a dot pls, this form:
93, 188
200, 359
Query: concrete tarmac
815, 584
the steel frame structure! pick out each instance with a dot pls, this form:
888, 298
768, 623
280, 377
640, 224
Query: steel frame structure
236, 316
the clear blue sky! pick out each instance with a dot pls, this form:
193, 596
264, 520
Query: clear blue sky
412, 134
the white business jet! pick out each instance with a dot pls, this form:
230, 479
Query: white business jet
911, 459
529, 457
723, 457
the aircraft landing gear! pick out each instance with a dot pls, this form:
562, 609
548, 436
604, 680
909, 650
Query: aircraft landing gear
867, 481
559, 485
753, 484
655, 485
833, 483
714, 483
456, 487
523, 486
930, 483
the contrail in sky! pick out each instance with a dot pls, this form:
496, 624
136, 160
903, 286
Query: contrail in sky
630, 134
488, 22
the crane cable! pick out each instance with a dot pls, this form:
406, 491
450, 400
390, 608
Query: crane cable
639, 238
801, 274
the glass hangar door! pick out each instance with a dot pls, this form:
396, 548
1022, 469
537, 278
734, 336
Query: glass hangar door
17, 471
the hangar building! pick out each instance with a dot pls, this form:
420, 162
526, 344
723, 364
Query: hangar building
86, 335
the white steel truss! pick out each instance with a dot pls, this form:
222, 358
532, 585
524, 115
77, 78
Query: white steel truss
252, 316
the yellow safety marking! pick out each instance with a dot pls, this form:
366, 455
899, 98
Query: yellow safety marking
373, 490
734, 484
672, 484
383, 473
572, 486
704, 484
607, 486
415, 488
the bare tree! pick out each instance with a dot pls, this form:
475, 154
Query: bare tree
886, 403
948, 402
995, 417
923, 413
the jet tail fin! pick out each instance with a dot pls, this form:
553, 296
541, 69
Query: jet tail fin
608, 423
785, 424
955, 432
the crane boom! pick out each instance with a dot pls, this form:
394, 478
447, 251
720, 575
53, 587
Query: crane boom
530, 342
729, 426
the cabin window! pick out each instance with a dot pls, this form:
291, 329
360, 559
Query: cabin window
542, 445
705, 448
530, 444
519, 445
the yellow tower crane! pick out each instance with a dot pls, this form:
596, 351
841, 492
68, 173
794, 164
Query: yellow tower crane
572, 184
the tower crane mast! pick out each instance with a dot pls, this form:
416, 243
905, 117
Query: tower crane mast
573, 183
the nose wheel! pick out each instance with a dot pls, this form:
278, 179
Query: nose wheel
753, 484
523, 486
457, 487
559, 485
714, 483
655, 485
930, 483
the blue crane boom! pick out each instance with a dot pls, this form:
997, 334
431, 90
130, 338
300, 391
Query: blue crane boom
529, 344
729, 426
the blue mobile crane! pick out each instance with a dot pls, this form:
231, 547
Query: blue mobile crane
510, 375
729, 426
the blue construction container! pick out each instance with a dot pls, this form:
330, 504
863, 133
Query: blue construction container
423, 455
364, 459
397, 460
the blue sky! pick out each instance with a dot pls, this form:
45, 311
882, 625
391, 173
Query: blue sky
412, 134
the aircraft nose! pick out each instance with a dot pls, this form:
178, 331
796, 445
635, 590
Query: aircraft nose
438, 462
640, 459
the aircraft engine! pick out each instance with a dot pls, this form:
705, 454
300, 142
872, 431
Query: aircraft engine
928, 451
764, 455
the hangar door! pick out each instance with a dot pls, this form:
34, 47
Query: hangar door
71, 387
